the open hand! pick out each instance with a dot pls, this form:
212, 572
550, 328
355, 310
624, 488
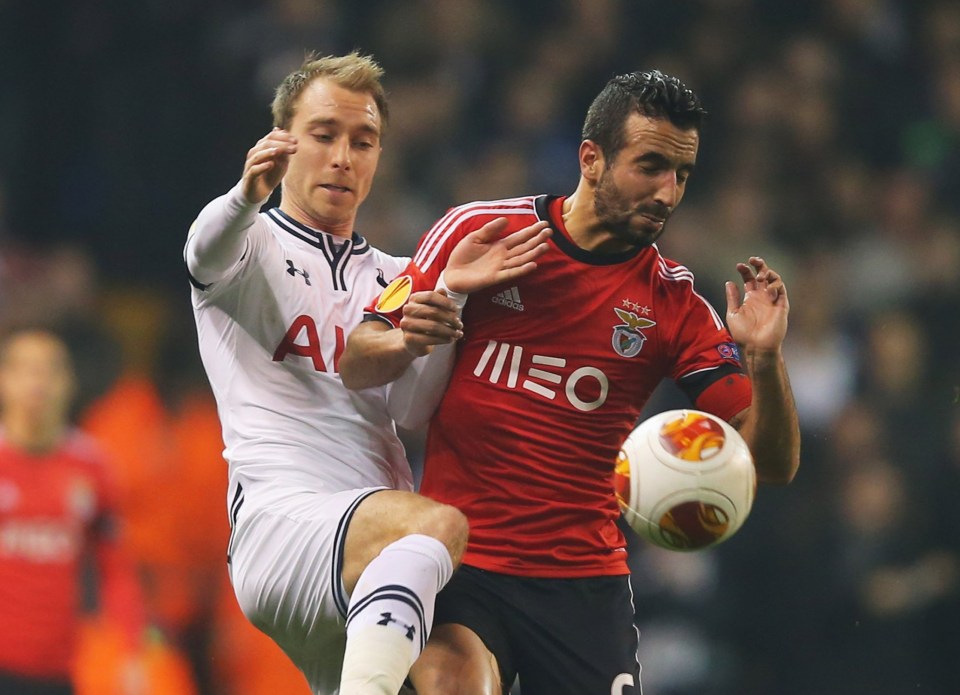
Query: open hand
759, 322
485, 257
266, 164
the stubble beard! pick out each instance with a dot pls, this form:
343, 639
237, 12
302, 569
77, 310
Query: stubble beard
616, 215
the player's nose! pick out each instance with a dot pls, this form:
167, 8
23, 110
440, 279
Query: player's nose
668, 190
340, 154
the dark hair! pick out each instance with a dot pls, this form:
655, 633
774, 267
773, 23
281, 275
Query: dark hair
650, 93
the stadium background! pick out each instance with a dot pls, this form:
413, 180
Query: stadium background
833, 149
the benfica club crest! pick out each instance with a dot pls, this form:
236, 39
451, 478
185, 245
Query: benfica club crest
628, 337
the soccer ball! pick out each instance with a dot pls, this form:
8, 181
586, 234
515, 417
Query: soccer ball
685, 480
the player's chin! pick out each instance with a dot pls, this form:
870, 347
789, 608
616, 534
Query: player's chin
645, 234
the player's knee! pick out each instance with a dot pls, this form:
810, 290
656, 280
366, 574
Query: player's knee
455, 662
438, 682
449, 526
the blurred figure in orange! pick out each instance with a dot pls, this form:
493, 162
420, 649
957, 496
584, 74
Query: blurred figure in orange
57, 509
158, 423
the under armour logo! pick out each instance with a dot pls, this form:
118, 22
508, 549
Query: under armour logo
387, 618
382, 281
294, 270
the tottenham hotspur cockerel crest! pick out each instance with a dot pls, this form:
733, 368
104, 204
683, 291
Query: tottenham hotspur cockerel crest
628, 337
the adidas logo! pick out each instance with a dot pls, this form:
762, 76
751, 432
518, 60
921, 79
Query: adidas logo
509, 298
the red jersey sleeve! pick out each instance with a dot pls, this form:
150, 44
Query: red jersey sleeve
431, 258
388, 305
707, 367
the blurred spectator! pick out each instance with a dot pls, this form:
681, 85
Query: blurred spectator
888, 578
57, 511
821, 351
896, 380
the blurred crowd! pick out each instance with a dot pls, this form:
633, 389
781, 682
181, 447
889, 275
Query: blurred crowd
832, 149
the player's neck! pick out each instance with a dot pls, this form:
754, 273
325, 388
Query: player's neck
35, 435
584, 227
344, 230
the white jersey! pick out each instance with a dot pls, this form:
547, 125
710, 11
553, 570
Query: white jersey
271, 331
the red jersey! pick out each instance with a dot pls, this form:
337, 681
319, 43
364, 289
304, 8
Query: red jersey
550, 378
53, 508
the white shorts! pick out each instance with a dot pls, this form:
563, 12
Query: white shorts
286, 562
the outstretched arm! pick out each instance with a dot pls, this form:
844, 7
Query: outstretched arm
217, 239
377, 354
758, 323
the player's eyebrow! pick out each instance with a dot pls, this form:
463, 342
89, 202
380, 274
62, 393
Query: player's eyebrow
661, 160
331, 121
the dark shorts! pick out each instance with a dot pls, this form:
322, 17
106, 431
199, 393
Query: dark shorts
561, 636
11, 684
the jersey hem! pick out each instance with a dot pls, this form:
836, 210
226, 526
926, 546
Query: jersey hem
553, 572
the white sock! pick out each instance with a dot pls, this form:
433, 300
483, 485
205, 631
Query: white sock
390, 614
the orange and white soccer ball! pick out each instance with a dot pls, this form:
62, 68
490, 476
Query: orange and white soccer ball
685, 480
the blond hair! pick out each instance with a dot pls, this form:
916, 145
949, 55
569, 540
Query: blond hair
356, 72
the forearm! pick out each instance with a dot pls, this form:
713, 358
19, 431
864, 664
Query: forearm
375, 354
217, 239
771, 427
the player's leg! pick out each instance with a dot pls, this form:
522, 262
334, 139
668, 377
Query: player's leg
456, 662
285, 560
387, 516
400, 550
469, 650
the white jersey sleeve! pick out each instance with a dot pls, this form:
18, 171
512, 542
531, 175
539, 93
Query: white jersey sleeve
415, 395
218, 238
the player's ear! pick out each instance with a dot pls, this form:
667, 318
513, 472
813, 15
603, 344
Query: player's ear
591, 161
